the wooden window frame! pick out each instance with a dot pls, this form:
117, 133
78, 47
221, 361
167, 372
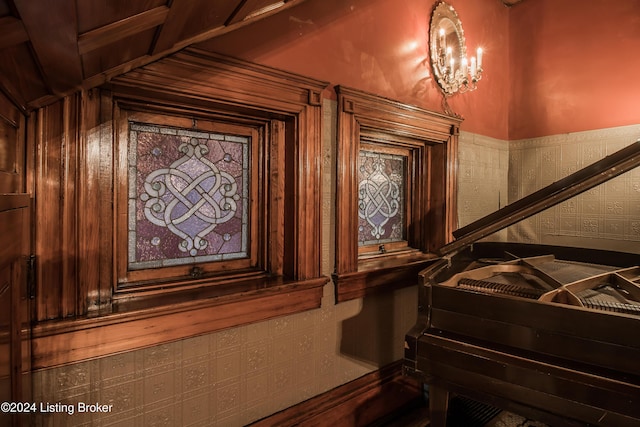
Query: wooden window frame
256, 263
82, 311
432, 139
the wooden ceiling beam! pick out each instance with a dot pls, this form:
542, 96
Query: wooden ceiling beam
183, 13
13, 32
251, 6
103, 36
53, 35
178, 16
105, 76
214, 32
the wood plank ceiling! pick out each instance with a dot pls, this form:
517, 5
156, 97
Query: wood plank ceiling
50, 49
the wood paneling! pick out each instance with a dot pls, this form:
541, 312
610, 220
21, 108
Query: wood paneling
12, 148
14, 301
9, 112
95, 185
76, 181
8, 147
15, 250
20, 75
274, 231
54, 208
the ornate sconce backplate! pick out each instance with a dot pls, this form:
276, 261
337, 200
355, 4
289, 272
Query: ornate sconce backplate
447, 44
448, 53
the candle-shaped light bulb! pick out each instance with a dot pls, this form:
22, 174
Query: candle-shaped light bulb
480, 58
473, 67
463, 67
451, 62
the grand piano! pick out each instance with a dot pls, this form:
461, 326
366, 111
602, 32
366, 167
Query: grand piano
548, 332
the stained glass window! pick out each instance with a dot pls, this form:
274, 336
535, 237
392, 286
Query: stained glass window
188, 196
381, 198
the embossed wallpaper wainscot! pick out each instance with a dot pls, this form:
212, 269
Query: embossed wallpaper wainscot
483, 168
605, 217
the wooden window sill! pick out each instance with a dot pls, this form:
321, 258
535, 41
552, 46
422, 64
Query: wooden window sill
381, 274
146, 321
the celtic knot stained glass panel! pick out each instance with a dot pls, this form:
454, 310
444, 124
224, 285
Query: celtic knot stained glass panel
188, 196
381, 198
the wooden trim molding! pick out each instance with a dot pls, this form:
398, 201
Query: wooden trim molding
12, 161
360, 402
145, 324
81, 311
431, 139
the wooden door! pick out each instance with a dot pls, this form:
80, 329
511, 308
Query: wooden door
14, 307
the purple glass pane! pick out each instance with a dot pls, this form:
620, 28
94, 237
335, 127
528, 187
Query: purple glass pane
188, 191
381, 198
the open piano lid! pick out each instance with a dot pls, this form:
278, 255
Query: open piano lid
578, 182
581, 285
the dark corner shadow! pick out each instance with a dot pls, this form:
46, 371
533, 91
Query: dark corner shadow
369, 336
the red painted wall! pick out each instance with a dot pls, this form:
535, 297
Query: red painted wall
381, 46
551, 66
575, 65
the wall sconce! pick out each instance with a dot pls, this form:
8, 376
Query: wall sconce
451, 67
